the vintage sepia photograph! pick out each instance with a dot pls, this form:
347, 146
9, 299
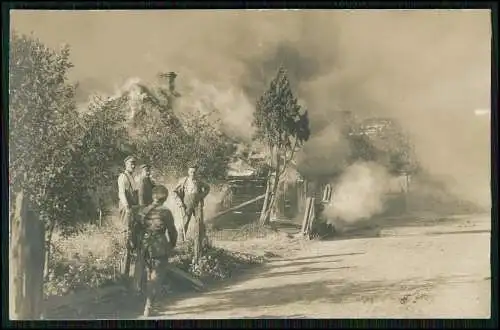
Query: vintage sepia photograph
249, 164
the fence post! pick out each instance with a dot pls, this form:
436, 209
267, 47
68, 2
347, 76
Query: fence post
308, 217
26, 262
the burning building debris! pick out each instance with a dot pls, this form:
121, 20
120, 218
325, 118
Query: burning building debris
376, 169
355, 190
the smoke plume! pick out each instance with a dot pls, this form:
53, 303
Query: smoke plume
429, 69
359, 194
226, 107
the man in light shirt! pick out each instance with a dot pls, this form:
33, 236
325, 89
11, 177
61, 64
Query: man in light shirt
191, 191
127, 195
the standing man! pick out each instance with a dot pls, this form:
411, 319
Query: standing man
191, 191
127, 195
145, 197
158, 224
145, 185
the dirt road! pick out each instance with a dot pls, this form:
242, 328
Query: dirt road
439, 269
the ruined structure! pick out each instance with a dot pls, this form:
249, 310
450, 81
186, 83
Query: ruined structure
379, 140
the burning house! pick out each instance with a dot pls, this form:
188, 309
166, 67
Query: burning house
377, 141
374, 140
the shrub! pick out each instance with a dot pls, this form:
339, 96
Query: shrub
89, 258
215, 264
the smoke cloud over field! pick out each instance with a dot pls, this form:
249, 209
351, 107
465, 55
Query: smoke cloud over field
359, 194
429, 69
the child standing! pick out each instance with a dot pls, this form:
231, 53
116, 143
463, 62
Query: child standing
158, 223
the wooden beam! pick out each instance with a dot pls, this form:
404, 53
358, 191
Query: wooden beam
237, 207
198, 284
312, 216
309, 216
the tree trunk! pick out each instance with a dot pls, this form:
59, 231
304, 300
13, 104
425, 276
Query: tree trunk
264, 214
26, 262
279, 210
274, 193
301, 196
269, 202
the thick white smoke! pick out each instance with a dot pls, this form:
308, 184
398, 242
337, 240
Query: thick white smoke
359, 194
226, 107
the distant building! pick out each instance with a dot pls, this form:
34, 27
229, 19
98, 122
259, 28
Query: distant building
374, 126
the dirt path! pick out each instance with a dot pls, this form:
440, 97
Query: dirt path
440, 270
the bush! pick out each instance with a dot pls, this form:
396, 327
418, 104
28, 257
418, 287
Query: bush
91, 259
215, 264
87, 259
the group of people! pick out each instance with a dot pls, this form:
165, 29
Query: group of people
151, 231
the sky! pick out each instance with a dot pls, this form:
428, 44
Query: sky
429, 69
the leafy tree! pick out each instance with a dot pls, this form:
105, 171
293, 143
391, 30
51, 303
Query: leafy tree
212, 148
42, 119
361, 149
388, 145
61, 158
99, 152
283, 126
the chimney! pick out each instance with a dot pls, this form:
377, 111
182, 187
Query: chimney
171, 81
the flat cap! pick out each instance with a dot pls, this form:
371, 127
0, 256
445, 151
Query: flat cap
129, 158
144, 166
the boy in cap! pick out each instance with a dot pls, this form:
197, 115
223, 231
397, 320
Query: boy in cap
156, 221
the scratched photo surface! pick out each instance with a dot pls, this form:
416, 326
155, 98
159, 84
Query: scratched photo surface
249, 164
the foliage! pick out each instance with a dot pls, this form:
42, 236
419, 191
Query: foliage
215, 264
279, 120
71, 275
389, 147
211, 148
91, 173
282, 125
157, 136
65, 157
100, 147
360, 148
86, 259
42, 119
